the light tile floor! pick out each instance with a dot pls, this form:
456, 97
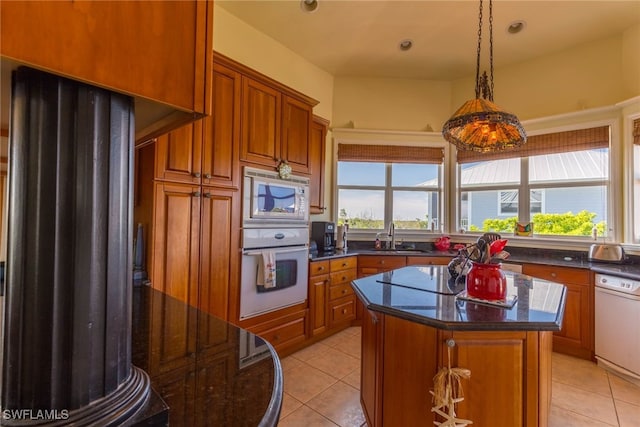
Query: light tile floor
322, 388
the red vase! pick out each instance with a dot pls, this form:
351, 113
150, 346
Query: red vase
486, 281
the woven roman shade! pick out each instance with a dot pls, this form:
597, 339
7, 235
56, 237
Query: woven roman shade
389, 154
550, 143
636, 131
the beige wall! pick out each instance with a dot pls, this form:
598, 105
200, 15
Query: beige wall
237, 40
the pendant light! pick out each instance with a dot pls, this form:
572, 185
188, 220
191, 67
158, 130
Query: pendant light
480, 125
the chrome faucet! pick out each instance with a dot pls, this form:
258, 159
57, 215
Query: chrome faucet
391, 242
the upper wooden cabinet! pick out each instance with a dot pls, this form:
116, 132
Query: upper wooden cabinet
158, 50
261, 119
206, 151
317, 144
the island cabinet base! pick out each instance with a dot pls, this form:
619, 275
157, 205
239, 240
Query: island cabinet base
510, 383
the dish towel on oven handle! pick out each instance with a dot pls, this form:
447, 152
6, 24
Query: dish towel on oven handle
267, 269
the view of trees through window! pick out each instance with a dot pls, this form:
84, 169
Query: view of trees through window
567, 194
371, 194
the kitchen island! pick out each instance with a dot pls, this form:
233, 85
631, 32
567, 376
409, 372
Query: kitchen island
415, 323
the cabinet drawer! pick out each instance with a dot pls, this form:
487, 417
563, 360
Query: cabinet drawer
318, 267
292, 331
339, 291
343, 310
343, 277
428, 260
558, 274
344, 263
382, 262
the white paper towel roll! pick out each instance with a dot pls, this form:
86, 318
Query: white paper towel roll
341, 237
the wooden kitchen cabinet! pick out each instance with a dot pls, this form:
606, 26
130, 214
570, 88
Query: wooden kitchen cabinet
261, 123
195, 236
219, 256
176, 241
371, 367
428, 260
206, 151
332, 301
178, 155
138, 48
281, 331
317, 149
374, 264
297, 118
319, 280
576, 338
510, 383
342, 299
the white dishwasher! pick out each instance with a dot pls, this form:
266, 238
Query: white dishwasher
617, 324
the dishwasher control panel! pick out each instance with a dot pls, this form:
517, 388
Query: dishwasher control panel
620, 284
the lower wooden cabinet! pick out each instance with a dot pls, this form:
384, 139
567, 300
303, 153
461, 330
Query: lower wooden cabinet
281, 331
509, 386
374, 264
576, 338
332, 301
428, 260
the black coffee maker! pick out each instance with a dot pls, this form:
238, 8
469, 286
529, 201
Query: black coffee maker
324, 234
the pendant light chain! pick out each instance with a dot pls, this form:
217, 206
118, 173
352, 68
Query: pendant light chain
478, 53
491, 47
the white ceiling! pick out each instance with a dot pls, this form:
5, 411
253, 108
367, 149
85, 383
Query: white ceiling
361, 37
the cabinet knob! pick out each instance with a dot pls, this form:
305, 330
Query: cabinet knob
276, 337
382, 262
553, 274
320, 268
196, 174
344, 311
344, 291
207, 175
451, 342
207, 195
344, 264
196, 194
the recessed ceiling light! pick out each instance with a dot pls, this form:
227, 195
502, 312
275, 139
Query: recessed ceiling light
309, 5
406, 44
516, 26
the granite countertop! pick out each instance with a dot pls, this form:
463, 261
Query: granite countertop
402, 293
208, 371
629, 269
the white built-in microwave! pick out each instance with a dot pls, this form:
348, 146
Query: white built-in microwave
268, 198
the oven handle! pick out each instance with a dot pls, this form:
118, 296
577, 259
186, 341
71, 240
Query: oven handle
277, 251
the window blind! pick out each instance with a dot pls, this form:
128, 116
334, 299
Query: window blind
550, 143
389, 154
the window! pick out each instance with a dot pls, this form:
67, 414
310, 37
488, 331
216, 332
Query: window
373, 192
557, 181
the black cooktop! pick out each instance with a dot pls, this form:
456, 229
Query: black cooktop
424, 278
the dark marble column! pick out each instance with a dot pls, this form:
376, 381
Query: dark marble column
67, 331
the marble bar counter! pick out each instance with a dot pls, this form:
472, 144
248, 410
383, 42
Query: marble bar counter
208, 371
414, 326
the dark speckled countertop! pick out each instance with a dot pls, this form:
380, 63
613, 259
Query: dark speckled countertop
577, 259
539, 303
208, 371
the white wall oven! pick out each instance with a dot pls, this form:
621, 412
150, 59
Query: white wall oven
275, 242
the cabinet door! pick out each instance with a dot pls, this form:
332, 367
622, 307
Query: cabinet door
296, 129
504, 365
318, 307
576, 337
221, 140
374, 264
371, 367
261, 123
317, 148
176, 241
178, 154
219, 249
428, 260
